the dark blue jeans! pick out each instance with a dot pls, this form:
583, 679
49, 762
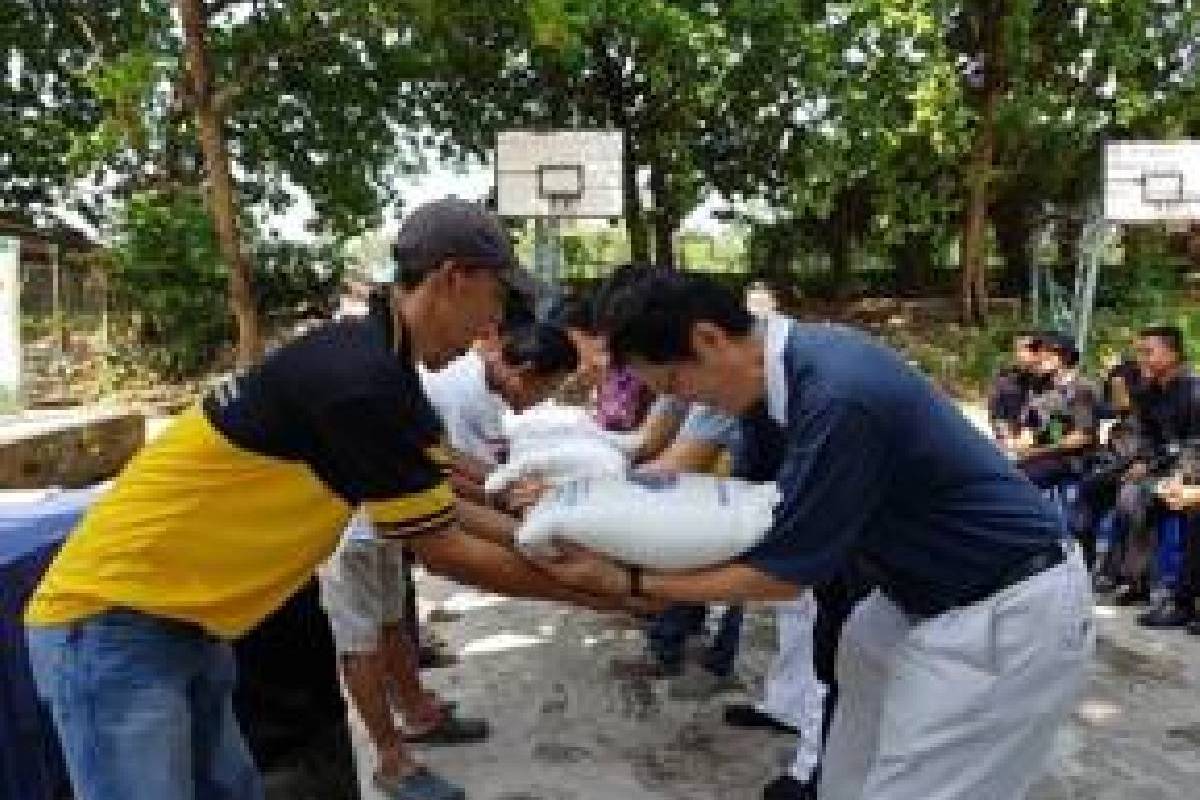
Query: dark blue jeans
668, 633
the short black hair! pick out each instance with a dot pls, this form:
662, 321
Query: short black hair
518, 311
573, 311
1062, 344
1170, 335
584, 308
651, 318
621, 277
543, 347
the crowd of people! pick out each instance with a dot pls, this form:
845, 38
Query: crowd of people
934, 618
1121, 459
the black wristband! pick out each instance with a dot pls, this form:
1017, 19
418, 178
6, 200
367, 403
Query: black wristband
635, 581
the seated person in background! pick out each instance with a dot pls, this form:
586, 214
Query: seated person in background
1012, 387
363, 585
1098, 496
1060, 419
1167, 409
1120, 445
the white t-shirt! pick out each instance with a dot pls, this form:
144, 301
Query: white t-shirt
472, 414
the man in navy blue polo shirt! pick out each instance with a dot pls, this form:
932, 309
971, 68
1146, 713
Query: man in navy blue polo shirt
957, 670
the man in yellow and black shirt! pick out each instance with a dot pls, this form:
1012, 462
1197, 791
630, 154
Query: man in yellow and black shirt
213, 525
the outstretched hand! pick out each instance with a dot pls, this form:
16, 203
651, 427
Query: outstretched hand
586, 571
524, 494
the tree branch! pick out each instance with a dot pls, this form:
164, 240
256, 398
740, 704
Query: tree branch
250, 67
89, 33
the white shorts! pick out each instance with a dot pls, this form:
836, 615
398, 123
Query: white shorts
362, 589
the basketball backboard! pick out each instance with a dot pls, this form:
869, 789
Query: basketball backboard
1152, 181
567, 173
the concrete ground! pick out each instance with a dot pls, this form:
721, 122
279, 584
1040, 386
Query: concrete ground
566, 730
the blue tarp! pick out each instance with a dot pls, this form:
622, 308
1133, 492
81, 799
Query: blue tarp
31, 530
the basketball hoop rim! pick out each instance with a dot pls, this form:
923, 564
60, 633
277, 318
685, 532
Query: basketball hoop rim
579, 178
1152, 182
554, 195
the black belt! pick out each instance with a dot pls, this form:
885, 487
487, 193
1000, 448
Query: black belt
1022, 570
1044, 558
1029, 566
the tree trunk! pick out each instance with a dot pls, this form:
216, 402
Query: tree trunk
914, 264
1192, 244
771, 258
841, 251
1015, 225
664, 219
639, 243
973, 250
221, 200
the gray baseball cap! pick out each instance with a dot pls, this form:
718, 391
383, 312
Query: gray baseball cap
461, 231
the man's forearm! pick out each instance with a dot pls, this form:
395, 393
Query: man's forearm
730, 583
496, 568
486, 523
1070, 445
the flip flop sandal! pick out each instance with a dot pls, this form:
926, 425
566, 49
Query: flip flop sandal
452, 730
420, 785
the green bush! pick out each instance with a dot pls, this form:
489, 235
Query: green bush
1150, 275
169, 278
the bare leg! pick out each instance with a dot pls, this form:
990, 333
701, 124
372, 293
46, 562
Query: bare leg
422, 709
366, 676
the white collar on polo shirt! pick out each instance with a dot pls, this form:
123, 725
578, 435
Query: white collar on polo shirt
774, 347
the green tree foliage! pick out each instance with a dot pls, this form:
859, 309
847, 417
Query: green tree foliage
897, 127
648, 68
292, 95
169, 281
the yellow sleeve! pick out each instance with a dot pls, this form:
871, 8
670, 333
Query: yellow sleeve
413, 514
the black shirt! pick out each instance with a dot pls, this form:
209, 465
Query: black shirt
1011, 390
1169, 415
343, 401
